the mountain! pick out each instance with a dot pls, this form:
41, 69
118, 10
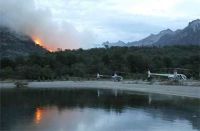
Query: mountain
153, 38
190, 35
119, 43
13, 44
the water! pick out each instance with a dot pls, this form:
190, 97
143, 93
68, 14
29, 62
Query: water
95, 110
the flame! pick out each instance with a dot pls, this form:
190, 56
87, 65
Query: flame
37, 40
38, 115
40, 42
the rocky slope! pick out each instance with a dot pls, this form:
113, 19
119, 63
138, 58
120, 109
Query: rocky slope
188, 36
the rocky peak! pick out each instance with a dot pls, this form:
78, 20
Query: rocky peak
194, 25
120, 42
167, 31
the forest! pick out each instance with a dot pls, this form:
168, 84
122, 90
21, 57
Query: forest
129, 62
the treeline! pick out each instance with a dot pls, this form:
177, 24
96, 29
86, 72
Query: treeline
132, 62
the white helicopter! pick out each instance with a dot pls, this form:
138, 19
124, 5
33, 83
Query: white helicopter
115, 77
174, 76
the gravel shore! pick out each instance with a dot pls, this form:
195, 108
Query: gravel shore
187, 91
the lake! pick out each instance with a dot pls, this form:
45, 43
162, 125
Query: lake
95, 110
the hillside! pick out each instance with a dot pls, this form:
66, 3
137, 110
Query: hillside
13, 44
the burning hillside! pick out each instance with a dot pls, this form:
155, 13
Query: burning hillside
39, 24
10, 41
41, 43
37, 41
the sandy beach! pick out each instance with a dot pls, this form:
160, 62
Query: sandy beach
187, 91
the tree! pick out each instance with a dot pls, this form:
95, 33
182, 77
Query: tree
137, 63
167, 62
7, 73
5, 62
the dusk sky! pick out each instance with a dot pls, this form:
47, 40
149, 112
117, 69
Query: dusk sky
96, 21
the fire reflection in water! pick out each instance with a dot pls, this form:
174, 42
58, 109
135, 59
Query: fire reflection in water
38, 115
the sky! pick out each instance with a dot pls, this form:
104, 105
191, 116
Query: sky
69, 24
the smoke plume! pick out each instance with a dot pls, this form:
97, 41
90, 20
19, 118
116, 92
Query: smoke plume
38, 23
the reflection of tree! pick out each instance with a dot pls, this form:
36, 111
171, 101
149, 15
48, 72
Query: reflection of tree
171, 108
18, 103
11, 115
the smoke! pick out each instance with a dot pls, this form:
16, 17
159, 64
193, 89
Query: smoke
38, 23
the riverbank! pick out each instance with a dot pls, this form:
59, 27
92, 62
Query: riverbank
187, 91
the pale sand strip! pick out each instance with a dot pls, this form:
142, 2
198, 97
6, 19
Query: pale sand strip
188, 91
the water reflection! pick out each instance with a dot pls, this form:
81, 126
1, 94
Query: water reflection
38, 115
62, 109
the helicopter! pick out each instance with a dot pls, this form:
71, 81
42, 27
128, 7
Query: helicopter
114, 77
174, 76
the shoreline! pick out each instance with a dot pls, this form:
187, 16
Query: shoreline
177, 90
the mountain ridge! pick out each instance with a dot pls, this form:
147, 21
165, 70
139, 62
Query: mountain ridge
190, 35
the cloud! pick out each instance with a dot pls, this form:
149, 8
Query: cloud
128, 20
85, 23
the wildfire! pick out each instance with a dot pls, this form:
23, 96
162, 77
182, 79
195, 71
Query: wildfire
40, 42
37, 40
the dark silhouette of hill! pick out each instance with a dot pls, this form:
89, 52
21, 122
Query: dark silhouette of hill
13, 44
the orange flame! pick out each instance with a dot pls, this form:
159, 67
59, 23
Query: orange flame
37, 40
40, 42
